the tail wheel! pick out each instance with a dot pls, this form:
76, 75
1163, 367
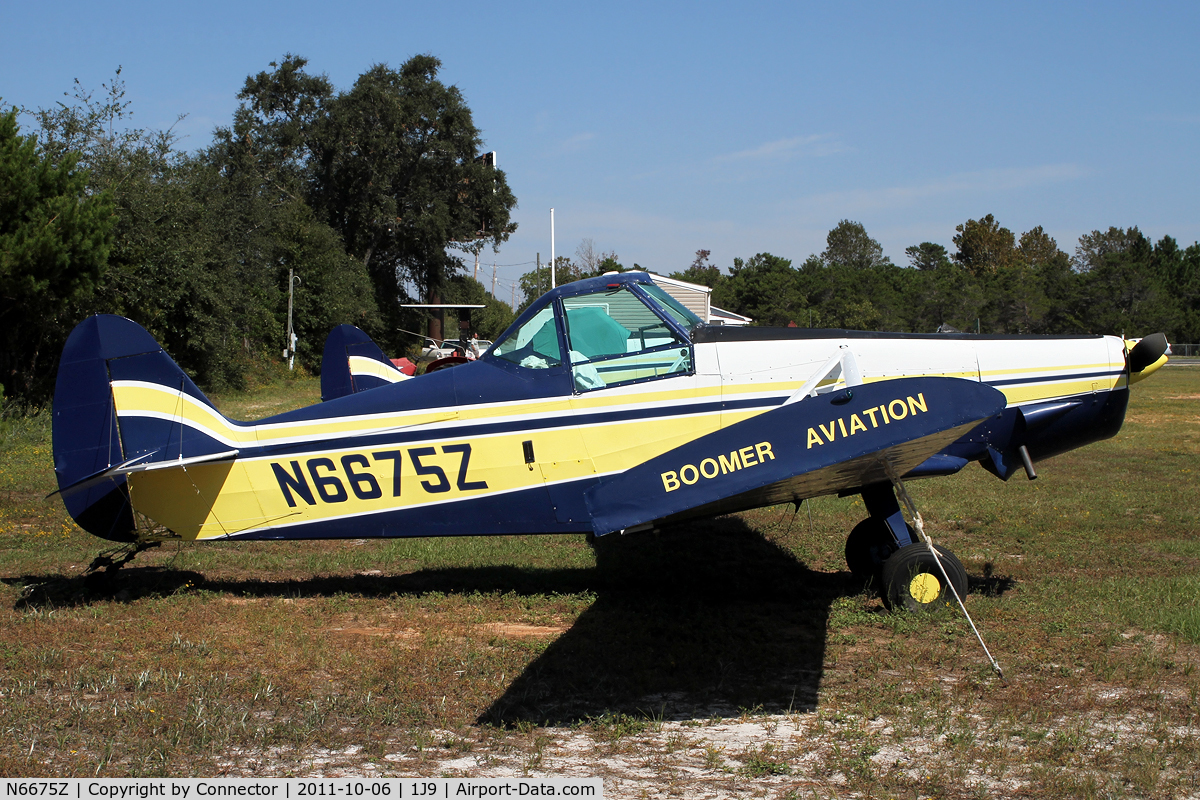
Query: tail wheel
867, 548
912, 580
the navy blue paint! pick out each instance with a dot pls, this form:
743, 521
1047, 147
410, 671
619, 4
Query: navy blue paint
1096, 417
86, 438
290, 478
418, 434
359, 480
485, 380
161, 437
638, 495
341, 343
568, 501
939, 464
880, 500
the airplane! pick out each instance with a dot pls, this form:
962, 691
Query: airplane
606, 407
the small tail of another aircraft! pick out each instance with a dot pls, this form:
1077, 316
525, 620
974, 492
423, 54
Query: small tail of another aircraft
353, 363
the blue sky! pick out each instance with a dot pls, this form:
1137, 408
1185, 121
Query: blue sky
656, 129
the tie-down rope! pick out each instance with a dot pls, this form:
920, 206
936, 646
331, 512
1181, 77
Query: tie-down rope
919, 524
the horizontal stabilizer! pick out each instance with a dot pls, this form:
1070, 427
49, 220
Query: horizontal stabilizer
817, 446
142, 464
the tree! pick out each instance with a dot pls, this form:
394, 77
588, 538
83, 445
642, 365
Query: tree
1059, 285
1017, 302
54, 241
397, 174
983, 246
277, 118
590, 262
836, 296
927, 256
1095, 246
260, 171
587, 257
764, 288
702, 271
1124, 294
536, 282
488, 322
1180, 271
609, 264
848, 245
950, 296
202, 244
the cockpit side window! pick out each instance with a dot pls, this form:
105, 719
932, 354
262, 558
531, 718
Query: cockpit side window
615, 338
534, 345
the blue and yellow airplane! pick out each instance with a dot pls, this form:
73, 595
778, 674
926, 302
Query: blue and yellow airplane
607, 406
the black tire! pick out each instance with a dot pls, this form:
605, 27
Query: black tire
868, 547
913, 582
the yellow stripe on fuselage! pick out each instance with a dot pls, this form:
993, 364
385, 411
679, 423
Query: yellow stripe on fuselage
252, 494
135, 398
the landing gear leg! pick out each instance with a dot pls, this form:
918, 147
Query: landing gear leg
918, 576
878, 536
103, 568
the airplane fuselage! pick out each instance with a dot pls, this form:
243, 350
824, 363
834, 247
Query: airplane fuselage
492, 448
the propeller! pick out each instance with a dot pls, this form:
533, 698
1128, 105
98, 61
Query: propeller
1150, 349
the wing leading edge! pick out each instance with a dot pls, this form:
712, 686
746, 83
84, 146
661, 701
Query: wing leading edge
821, 445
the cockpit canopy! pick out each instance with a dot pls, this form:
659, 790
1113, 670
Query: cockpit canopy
611, 331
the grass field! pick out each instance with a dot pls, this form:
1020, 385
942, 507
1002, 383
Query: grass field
735, 658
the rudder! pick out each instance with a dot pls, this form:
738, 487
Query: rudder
95, 439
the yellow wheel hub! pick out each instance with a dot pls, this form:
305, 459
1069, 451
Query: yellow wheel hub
924, 588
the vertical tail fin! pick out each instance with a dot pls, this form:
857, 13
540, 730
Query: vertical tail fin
353, 363
120, 401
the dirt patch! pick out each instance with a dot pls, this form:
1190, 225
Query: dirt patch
393, 633
518, 630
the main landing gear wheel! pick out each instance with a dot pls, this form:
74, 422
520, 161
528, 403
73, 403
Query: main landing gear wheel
868, 547
912, 580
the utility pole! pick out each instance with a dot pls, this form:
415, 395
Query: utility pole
493, 279
477, 266
289, 348
537, 271
552, 284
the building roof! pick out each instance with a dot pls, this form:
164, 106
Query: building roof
719, 316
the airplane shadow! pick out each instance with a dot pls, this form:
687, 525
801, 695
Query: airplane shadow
702, 620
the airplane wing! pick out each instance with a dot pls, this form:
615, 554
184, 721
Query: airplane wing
819, 445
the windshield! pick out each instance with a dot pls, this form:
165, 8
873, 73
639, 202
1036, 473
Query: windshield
614, 338
673, 307
533, 345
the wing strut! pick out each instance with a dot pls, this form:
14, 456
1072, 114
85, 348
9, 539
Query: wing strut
842, 361
919, 526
